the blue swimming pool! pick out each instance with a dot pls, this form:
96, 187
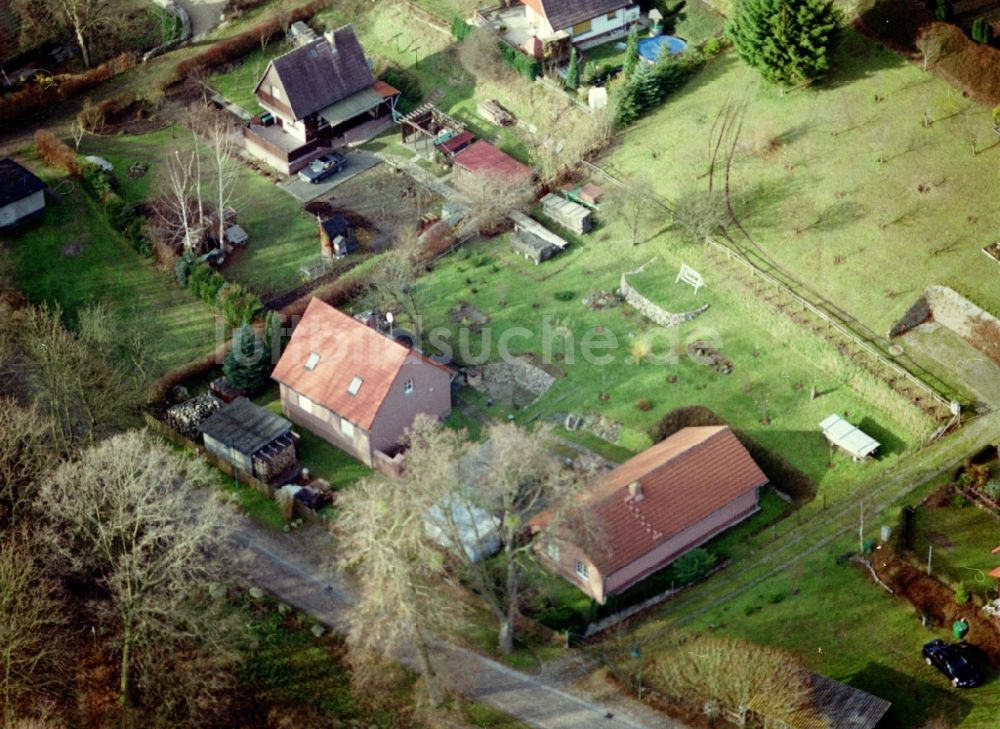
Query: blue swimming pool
650, 48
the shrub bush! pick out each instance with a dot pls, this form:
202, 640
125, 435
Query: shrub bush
182, 269
56, 153
238, 304
460, 29
992, 489
693, 565
982, 31
961, 594
205, 283
644, 405
564, 295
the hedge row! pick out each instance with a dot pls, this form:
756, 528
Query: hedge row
35, 97
232, 49
234, 301
783, 476
525, 65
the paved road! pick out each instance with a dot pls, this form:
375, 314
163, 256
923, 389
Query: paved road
290, 567
205, 14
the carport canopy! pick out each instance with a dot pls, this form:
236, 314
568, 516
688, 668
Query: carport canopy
352, 106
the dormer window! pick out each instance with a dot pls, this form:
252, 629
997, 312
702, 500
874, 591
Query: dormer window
355, 385
312, 361
408, 387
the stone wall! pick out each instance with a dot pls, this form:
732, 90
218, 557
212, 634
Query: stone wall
952, 310
650, 310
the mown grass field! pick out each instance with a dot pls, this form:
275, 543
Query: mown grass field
105, 269
962, 538
869, 235
838, 623
282, 235
776, 362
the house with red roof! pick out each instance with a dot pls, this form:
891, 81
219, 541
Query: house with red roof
653, 508
481, 166
357, 388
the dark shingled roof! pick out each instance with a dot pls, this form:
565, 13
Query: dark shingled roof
245, 426
337, 225
16, 182
318, 75
563, 14
839, 706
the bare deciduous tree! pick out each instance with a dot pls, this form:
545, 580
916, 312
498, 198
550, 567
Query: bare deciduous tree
130, 512
400, 604
220, 134
638, 213
83, 19
739, 675
78, 131
393, 283
931, 44
512, 476
493, 199
479, 54
26, 452
32, 656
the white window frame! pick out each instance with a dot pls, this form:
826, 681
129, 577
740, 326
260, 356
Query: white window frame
408, 387
305, 404
552, 551
582, 571
276, 92
347, 428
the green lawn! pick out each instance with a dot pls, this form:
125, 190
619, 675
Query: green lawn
870, 236
962, 539
282, 235
106, 268
237, 83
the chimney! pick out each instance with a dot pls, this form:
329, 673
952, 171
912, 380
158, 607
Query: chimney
635, 491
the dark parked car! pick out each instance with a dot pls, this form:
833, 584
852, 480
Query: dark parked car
948, 659
321, 168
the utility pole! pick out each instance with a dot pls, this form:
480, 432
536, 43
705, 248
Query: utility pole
930, 551
861, 530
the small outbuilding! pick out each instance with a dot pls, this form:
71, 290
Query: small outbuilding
481, 167
336, 237
568, 214
533, 240
22, 194
849, 438
253, 439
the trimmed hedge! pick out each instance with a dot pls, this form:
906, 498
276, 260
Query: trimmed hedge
233, 49
36, 97
525, 65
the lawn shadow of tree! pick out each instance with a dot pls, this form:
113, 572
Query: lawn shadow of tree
889, 442
857, 58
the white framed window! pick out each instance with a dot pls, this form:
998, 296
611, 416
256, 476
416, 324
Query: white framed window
408, 386
581, 570
276, 92
552, 551
347, 428
305, 404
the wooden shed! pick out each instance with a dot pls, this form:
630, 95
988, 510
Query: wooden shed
533, 240
568, 214
253, 439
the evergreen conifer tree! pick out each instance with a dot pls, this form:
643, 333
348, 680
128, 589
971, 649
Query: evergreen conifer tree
790, 42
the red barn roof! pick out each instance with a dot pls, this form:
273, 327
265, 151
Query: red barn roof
482, 158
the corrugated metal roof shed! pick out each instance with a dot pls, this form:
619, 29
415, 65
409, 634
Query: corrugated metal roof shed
850, 438
245, 427
567, 213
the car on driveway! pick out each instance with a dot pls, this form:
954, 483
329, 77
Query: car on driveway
322, 167
949, 659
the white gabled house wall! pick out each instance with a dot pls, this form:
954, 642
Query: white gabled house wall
20, 209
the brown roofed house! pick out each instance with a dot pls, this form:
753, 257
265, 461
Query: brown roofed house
656, 506
321, 95
357, 388
480, 168
583, 22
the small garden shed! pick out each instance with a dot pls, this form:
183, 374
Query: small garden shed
568, 214
533, 240
850, 439
253, 439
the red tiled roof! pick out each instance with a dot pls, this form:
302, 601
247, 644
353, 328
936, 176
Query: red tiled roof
683, 479
347, 349
385, 90
457, 142
483, 158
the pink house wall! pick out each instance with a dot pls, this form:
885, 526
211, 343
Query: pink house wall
431, 394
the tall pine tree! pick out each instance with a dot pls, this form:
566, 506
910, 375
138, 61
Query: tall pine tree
789, 42
247, 365
631, 54
573, 71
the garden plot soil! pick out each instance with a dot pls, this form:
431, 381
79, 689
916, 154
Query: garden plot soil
937, 601
386, 203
